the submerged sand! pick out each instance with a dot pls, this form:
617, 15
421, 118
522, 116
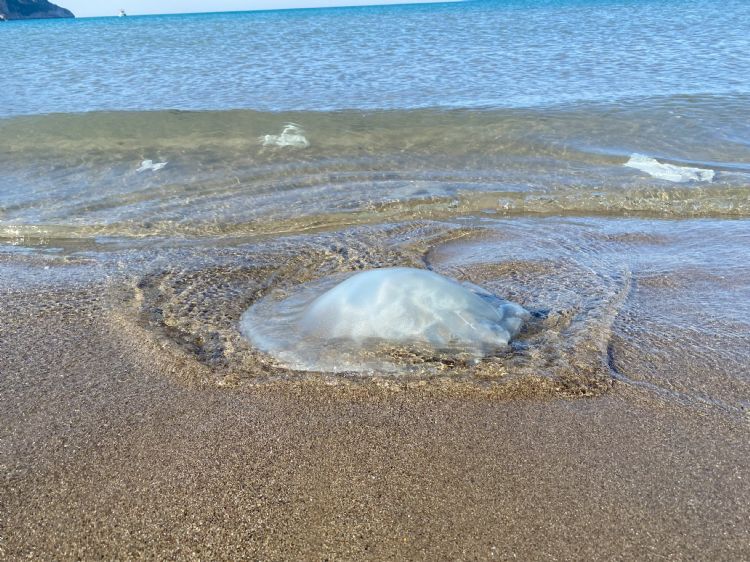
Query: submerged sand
105, 453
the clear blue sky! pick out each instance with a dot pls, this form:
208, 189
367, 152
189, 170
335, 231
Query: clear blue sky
87, 8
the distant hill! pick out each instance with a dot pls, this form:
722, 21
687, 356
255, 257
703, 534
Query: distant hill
30, 9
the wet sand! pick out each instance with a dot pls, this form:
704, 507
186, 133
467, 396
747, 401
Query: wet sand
104, 457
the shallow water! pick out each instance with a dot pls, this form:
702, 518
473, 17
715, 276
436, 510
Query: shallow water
660, 306
78, 175
602, 183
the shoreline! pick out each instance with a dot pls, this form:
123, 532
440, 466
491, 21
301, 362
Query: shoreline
108, 453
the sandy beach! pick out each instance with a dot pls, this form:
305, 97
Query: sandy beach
420, 281
108, 455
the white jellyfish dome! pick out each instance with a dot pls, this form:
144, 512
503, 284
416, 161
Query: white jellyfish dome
406, 305
328, 329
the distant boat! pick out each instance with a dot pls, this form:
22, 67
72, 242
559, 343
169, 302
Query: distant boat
122, 14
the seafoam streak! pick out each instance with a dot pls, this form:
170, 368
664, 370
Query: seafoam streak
292, 135
668, 172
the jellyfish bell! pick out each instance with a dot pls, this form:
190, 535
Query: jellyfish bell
342, 327
406, 305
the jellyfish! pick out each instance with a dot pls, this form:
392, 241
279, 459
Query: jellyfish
335, 328
406, 305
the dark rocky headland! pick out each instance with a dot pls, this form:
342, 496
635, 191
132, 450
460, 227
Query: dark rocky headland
31, 9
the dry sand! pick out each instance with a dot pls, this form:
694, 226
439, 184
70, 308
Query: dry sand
103, 457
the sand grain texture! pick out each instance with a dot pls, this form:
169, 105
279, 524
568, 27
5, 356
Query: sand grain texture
104, 459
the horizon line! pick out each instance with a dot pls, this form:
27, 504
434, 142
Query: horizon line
257, 10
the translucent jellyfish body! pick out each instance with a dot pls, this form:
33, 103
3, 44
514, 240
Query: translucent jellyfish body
360, 323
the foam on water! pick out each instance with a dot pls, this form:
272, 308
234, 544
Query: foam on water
379, 309
668, 172
151, 165
292, 135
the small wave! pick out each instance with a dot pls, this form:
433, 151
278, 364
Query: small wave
292, 135
668, 172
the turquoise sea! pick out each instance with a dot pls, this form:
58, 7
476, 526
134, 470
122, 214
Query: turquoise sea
589, 159
476, 54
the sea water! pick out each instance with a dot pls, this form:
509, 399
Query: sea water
472, 54
587, 159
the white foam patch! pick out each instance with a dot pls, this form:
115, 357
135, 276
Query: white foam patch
668, 172
151, 165
343, 328
292, 135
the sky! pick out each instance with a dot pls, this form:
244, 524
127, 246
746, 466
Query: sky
89, 8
